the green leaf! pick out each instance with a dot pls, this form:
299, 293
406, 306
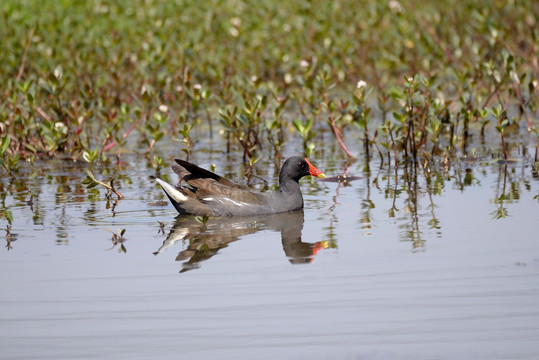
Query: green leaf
92, 185
5, 143
298, 125
31, 148
91, 175
86, 156
514, 77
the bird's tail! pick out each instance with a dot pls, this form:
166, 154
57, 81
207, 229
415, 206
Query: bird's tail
175, 195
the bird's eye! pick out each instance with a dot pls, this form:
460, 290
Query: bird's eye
299, 164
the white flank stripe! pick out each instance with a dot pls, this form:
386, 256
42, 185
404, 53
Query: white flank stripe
172, 191
238, 203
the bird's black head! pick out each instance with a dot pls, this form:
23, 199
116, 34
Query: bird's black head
297, 167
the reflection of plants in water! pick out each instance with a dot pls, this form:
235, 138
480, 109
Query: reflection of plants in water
391, 192
111, 204
412, 231
414, 183
5, 213
203, 220
409, 189
10, 237
434, 187
342, 180
367, 204
161, 227
505, 195
118, 240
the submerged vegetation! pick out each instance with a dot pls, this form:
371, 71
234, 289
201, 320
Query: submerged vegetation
85, 80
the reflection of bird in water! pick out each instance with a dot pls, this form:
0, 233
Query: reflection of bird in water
205, 240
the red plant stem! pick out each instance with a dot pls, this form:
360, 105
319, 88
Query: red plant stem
336, 130
109, 146
125, 135
120, 196
338, 136
505, 155
103, 145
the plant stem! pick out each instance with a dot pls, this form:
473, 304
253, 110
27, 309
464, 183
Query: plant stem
25, 55
335, 129
505, 155
120, 196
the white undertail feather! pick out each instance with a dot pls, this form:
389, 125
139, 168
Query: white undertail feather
172, 191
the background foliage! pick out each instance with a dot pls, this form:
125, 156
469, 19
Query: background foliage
87, 78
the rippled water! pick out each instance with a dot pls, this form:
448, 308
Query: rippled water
405, 264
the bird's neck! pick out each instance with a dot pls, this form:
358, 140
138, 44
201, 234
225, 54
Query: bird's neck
289, 186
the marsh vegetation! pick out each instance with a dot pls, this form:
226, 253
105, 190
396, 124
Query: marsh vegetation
414, 80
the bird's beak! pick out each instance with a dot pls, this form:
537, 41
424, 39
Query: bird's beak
314, 171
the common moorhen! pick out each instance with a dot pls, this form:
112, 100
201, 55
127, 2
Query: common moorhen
201, 192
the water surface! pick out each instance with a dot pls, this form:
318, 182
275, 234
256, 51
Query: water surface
394, 265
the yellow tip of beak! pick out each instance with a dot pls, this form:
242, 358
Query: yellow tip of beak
322, 176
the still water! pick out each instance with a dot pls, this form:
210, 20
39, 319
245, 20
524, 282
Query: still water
398, 264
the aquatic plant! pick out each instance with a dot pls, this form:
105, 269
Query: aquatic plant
8, 161
304, 131
502, 121
186, 138
90, 181
133, 73
329, 106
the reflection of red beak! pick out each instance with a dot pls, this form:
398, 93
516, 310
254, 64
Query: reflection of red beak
314, 171
319, 246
